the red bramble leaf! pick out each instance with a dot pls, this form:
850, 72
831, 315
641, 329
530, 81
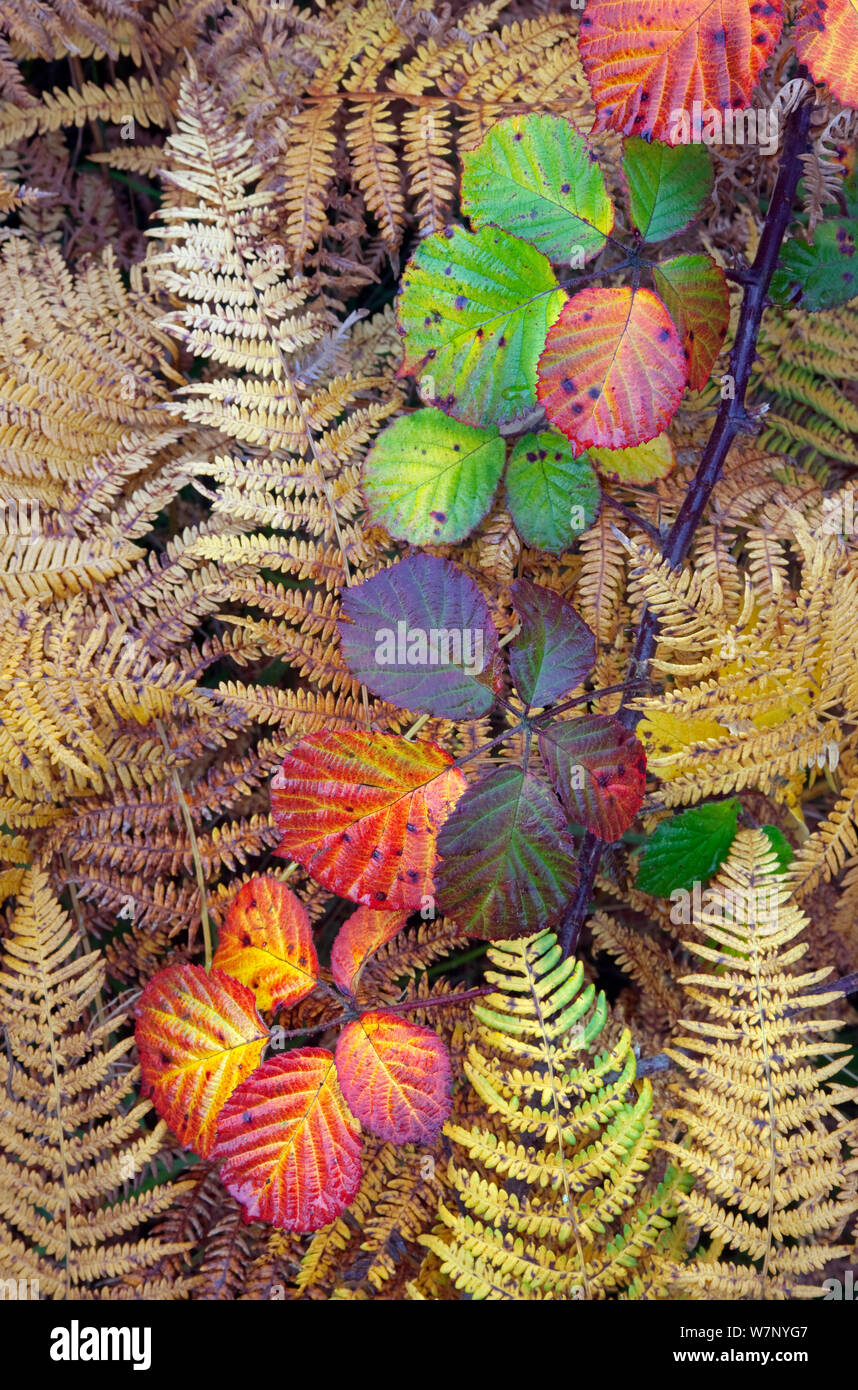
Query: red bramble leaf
613, 369
290, 1144
598, 770
361, 811
267, 943
358, 937
647, 60
199, 1035
396, 1077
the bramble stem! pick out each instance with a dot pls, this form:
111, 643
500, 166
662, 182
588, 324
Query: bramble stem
732, 419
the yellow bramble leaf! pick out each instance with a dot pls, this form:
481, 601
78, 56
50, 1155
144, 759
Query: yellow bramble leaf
267, 943
641, 464
199, 1035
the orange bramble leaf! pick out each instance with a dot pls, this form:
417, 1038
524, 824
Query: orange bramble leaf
395, 1075
267, 943
290, 1144
826, 39
199, 1036
649, 61
358, 937
362, 812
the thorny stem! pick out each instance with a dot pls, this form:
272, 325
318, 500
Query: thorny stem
539, 720
435, 1000
732, 419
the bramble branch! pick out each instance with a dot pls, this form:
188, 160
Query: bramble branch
732, 419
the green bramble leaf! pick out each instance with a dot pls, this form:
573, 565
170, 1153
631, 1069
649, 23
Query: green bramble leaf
781, 845
666, 185
535, 176
823, 274
688, 848
475, 309
551, 494
429, 479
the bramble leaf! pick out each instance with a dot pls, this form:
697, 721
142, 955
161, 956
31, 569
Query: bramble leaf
534, 176
429, 479
475, 309
555, 650
420, 634
358, 937
395, 1076
198, 1035
361, 811
648, 61
551, 494
507, 860
266, 942
696, 296
598, 770
820, 275
687, 848
826, 39
290, 1144
641, 464
613, 369
667, 185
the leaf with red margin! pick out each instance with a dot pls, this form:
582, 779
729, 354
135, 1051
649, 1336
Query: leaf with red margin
358, 937
199, 1036
648, 61
474, 309
826, 39
396, 1077
267, 943
598, 770
696, 296
507, 861
613, 370
555, 650
290, 1143
361, 811
420, 634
